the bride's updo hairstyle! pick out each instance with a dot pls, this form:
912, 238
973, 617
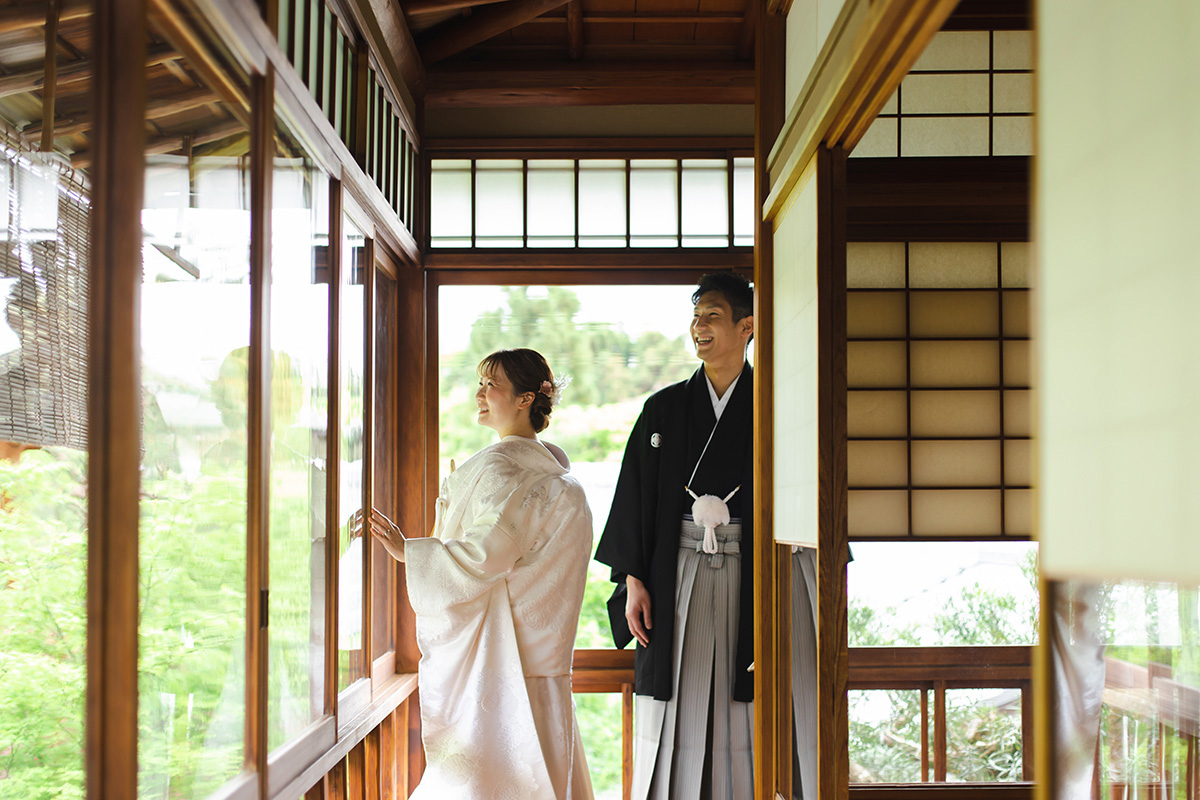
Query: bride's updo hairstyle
528, 371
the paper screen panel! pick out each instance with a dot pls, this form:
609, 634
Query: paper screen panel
943, 136
944, 93
1016, 314
1018, 512
876, 414
1016, 364
876, 365
955, 512
958, 364
1018, 462
1017, 418
1014, 265
877, 464
954, 315
878, 513
795, 367
956, 463
874, 265
952, 265
1012, 136
941, 414
875, 315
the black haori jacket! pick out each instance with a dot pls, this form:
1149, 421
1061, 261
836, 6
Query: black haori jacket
641, 537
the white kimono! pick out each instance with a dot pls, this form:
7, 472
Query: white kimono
497, 590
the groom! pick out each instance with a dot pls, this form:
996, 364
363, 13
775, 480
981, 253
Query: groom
685, 600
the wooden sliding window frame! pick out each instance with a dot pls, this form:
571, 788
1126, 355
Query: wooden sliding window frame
111, 737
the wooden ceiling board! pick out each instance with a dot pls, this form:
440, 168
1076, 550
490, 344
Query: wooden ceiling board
658, 32
552, 31
596, 33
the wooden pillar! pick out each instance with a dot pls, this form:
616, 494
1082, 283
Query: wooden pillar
114, 398
258, 463
833, 540
768, 120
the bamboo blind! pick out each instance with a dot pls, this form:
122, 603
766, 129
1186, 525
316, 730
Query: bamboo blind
43, 262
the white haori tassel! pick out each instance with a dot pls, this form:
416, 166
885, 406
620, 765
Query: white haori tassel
709, 511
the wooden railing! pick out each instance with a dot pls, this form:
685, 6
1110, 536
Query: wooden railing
935, 669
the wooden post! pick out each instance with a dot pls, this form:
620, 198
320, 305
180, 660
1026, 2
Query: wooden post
114, 399
768, 119
575, 29
939, 731
833, 539
924, 735
50, 87
258, 462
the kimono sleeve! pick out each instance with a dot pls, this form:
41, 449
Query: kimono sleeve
496, 529
622, 545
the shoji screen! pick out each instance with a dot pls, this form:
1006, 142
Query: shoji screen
1118, 290
938, 390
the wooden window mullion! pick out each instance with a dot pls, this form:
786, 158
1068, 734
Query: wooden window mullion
368, 454
333, 446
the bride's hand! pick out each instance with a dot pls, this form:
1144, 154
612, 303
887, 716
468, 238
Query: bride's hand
388, 533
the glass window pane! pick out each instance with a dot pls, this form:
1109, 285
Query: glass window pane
195, 336
602, 203
450, 203
705, 203
551, 189
744, 213
885, 736
386, 442
983, 735
599, 717
351, 658
943, 594
1126, 688
653, 203
43, 470
499, 211
299, 419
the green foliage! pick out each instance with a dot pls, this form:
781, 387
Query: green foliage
610, 372
43, 608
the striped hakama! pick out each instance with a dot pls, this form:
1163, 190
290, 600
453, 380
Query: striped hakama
701, 728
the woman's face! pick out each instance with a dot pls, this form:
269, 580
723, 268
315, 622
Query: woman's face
499, 408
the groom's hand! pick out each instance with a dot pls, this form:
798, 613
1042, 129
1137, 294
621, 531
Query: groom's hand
637, 610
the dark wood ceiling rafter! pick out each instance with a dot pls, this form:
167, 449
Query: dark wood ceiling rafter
33, 15
575, 22
453, 38
157, 108
532, 84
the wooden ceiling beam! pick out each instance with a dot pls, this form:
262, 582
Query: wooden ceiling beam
155, 109
172, 144
667, 17
72, 72
482, 26
416, 8
33, 15
746, 35
574, 29
491, 86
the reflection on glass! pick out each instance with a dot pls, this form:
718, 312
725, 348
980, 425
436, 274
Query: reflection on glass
654, 203
618, 344
299, 418
1127, 689
499, 205
886, 736
43, 471
602, 220
383, 630
195, 331
351, 659
942, 594
705, 202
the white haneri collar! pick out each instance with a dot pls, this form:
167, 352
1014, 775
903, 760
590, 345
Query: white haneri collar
719, 403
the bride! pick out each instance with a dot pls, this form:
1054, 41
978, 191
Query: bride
497, 590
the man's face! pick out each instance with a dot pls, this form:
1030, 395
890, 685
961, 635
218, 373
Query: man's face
714, 333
